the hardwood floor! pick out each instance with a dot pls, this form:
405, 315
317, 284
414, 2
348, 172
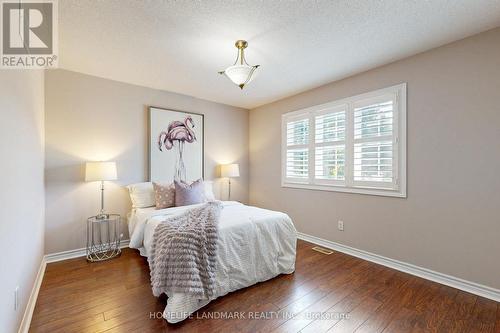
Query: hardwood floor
334, 293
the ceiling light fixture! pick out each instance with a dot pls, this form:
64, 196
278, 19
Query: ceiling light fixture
241, 73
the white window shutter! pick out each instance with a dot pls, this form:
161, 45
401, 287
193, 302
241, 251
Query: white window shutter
297, 132
373, 142
357, 144
329, 153
297, 151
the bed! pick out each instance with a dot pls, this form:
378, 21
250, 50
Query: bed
254, 245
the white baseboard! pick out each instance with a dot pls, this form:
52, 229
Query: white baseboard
48, 258
65, 255
468, 286
30, 307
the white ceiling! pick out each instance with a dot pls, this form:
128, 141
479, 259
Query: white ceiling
180, 45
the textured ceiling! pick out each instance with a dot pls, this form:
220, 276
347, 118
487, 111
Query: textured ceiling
180, 45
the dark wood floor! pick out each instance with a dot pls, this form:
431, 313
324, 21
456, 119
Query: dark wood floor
334, 293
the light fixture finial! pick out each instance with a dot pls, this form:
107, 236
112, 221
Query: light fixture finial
241, 44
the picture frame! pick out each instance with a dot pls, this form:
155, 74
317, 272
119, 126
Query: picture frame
176, 145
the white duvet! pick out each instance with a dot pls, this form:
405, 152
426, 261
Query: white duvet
254, 245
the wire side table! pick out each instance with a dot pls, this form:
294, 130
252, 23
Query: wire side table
103, 237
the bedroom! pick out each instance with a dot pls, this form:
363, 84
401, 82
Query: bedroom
401, 208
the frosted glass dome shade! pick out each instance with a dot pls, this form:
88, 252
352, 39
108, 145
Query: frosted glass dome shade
240, 74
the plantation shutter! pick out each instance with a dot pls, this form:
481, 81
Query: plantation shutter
297, 150
374, 142
329, 150
356, 144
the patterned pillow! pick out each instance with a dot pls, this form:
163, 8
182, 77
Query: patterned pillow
164, 195
189, 194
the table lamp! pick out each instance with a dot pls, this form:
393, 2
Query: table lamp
100, 171
229, 171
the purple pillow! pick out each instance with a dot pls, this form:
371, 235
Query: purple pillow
189, 194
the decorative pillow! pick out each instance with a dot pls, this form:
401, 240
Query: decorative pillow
208, 190
142, 195
164, 195
189, 194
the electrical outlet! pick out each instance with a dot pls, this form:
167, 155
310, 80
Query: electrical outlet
16, 298
341, 225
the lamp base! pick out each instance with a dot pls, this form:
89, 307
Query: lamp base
102, 215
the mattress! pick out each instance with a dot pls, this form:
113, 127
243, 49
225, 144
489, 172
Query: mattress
254, 245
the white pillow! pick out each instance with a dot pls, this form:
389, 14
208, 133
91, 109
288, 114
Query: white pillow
142, 195
209, 191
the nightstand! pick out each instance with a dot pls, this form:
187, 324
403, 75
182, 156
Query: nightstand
103, 237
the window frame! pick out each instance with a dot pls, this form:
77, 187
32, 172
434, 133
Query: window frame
398, 138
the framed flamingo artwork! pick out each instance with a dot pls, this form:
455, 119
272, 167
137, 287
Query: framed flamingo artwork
175, 145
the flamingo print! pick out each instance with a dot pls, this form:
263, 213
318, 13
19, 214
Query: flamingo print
176, 135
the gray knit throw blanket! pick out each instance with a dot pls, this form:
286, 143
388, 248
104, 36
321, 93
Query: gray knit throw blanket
183, 253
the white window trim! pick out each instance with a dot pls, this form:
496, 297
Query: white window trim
399, 141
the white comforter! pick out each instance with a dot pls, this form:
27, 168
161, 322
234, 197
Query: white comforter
254, 245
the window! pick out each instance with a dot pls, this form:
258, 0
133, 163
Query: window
357, 144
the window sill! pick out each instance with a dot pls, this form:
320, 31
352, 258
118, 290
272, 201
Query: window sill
343, 189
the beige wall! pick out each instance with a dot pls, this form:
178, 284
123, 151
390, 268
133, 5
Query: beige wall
450, 221
21, 190
89, 118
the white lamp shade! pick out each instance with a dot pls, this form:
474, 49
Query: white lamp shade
229, 170
97, 171
239, 74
